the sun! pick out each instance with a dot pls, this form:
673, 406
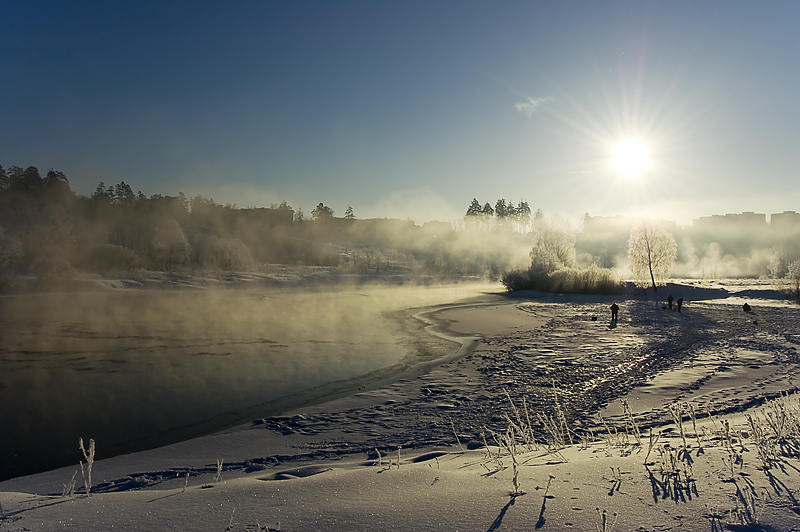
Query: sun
630, 158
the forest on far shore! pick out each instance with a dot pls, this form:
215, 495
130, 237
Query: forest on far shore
49, 231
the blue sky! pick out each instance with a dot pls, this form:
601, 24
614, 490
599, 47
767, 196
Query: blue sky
410, 109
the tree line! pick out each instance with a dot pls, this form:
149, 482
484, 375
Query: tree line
50, 231
504, 215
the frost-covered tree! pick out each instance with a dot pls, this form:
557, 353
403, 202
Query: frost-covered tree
322, 212
793, 274
553, 245
349, 214
651, 252
169, 244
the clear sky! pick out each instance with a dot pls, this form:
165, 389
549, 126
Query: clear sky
409, 109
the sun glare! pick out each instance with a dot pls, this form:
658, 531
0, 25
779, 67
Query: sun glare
630, 158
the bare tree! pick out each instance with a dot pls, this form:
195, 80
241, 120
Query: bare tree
651, 252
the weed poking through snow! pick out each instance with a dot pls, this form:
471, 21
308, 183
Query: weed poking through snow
230, 523
652, 441
604, 523
218, 475
68, 489
458, 440
508, 441
87, 471
630, 421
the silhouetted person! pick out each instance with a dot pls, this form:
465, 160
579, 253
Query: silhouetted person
680, 304
614, 311
746, 307
669, 301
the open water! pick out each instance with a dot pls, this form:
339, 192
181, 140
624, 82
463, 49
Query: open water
140, 369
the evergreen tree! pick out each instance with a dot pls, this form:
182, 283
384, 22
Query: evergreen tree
524, 216
4, 181
123, 194
500, 210
474, 208
322, 212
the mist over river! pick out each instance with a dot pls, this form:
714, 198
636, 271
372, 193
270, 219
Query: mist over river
139, 369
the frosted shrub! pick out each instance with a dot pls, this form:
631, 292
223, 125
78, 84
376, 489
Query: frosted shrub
591, 280
517, 280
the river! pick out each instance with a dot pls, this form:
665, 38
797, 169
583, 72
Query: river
139, 369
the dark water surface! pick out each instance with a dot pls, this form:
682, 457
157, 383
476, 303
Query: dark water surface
139, 369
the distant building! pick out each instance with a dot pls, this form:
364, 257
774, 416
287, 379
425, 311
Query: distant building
745, 220
785, 221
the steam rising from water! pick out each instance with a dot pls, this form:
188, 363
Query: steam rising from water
122, 366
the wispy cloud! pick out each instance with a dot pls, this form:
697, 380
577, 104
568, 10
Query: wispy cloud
531, 105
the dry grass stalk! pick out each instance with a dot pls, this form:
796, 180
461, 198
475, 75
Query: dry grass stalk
68, 489
561, 417
88, 455
749, 507
218, 475
677, 416
630, 421
490, 456
509, 442
458, 440
605, 524
651, 443
523, 428
230, 523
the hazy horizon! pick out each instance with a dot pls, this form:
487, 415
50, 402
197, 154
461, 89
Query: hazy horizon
408, 110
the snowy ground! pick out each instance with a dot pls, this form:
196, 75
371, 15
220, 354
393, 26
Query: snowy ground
411, 455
